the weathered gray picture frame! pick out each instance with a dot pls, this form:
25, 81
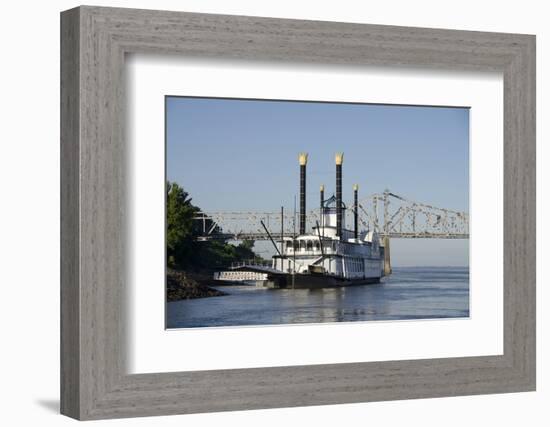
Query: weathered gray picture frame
94, 382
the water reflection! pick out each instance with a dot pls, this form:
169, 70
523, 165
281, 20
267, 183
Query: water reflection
410, 293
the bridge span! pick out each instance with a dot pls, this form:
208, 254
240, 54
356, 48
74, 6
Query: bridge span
387, 213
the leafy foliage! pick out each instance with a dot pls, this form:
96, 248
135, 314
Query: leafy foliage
183, 249
179, 217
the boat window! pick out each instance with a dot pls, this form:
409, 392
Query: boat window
309, 245
317, 246
302, 244
296, 245
288, 244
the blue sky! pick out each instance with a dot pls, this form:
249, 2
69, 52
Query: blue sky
242, 155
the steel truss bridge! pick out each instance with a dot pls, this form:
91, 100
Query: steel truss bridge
386, 213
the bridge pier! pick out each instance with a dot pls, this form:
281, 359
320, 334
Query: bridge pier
387, 260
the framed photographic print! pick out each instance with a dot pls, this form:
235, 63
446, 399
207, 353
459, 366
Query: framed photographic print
292, 213
320, 260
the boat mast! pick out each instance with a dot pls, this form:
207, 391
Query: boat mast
321, 216
355, 211
282, 237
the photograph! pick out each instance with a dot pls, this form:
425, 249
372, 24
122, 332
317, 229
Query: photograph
298, 212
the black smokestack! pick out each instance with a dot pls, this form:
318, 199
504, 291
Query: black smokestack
355, 211
303, 162
339, 161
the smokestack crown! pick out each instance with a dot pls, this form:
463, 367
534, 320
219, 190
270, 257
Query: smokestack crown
355, 187
303, 159
339, 159
322, 188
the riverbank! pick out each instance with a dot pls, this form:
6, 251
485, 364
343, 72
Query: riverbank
181, 285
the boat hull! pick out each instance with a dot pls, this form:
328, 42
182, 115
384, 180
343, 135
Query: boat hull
318, 281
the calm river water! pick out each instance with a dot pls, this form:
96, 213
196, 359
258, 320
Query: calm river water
409, 293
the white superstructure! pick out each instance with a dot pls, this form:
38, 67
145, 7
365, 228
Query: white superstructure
322, 251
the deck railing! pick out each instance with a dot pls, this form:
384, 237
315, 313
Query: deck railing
248, 262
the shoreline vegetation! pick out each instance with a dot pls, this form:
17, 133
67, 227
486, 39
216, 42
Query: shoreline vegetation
191, 263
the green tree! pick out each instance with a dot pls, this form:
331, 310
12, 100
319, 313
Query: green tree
184, 250
180, 224
247, 244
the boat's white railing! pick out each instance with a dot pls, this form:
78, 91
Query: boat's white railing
249, 262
